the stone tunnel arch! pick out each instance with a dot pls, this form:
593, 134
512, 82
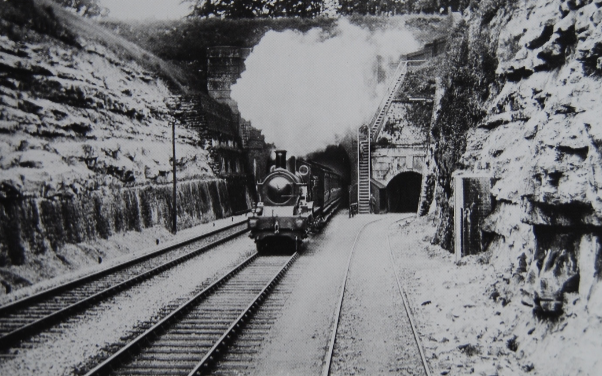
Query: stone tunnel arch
403, 192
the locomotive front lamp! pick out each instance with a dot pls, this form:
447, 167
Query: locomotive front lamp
299, 222
258, 209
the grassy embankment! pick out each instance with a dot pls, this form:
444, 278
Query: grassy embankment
47, 18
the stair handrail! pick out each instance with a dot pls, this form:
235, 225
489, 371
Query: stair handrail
359, 155
363, 137
391, 89
386, 96
371, 130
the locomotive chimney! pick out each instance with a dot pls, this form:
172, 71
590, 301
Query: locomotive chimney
281, 159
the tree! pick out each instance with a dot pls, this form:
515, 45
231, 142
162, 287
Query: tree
86, 8
295, 8
256, 8
373, 7
427, 6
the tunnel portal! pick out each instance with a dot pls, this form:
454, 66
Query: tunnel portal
403, 192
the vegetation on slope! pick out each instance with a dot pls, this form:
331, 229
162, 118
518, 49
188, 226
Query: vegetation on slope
313, 8
185, 42
18, 18
467, 74
85, 8
419, 84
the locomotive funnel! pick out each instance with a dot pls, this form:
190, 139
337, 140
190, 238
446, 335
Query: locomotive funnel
281, 159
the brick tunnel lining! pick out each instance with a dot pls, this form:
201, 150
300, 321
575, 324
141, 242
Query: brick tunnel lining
403, 193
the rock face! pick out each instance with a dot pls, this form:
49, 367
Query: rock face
86, 152
542, 136
77, 120
542, 141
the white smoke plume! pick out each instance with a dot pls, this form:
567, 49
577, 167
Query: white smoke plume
304, 89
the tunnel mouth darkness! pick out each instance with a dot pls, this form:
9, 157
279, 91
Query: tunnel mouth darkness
403, 192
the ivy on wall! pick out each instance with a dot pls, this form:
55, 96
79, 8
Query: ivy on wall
468, 75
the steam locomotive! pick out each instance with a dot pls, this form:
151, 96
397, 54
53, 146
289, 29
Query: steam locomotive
295, 198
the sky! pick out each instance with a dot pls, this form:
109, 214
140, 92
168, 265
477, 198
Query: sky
144, 9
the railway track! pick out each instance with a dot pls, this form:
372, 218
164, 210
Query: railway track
28, 316
191, 339
326, 369
243, 354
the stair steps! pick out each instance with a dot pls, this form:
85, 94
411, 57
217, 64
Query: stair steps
364, 173
371, 135
379, 118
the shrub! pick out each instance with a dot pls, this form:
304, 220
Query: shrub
27, 14
468, 73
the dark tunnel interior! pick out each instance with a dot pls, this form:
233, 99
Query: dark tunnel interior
403, 192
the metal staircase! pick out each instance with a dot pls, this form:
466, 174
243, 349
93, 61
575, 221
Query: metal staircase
367, 135
363, 171
378, 120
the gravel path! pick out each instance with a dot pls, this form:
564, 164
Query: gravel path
83, 338
297, 342
374, 335
462, 329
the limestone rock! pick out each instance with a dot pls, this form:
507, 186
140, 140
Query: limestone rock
542, 142
62, 107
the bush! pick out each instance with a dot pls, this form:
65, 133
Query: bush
26, 14
468, 73
185, 42
86, 8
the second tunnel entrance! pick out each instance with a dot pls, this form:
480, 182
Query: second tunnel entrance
403, 192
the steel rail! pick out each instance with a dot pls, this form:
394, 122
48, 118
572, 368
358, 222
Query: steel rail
18, 334
221, 344
406, 305
337, 314
54, 290
108, 365
112, 363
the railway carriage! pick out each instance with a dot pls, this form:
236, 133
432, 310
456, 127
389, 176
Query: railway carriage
296, 198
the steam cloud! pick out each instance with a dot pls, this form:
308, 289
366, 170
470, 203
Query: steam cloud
304, 90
